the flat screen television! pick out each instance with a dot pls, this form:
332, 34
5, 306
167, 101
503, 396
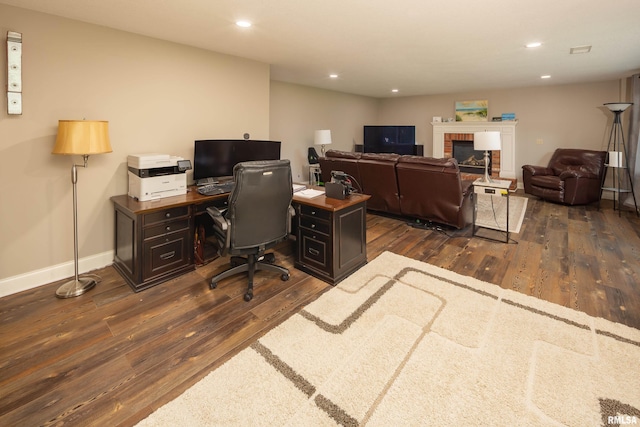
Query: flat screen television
389, 139
215, 158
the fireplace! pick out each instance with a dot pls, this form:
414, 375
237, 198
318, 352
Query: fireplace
503, 161
464, 141
469, 159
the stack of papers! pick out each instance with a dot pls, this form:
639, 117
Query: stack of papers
309, 193
298, 187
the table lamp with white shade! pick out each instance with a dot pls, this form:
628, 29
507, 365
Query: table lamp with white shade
487, 141
322, 137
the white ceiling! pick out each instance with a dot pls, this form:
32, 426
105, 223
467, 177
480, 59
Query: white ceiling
419, 47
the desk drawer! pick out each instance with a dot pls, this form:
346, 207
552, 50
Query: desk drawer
166, 253
315, 250
164, 215
315, 224
315, 212
166, 228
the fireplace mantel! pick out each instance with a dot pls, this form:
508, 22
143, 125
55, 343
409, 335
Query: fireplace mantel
507, 131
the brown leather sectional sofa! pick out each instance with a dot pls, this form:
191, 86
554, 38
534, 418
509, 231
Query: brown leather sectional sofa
414, 186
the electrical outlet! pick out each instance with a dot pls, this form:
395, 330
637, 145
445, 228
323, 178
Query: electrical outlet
539, 141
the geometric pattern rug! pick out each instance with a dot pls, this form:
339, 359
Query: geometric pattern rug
402, 342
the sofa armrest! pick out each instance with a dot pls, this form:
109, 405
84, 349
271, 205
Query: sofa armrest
577, 173
467, 186
537, 170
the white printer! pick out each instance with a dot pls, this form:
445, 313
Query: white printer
154, 176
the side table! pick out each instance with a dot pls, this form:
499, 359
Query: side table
497, 188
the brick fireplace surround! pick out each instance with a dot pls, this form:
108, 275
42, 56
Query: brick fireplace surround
448, 151
503, 160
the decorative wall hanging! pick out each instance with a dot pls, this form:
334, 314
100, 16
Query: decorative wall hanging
472, 111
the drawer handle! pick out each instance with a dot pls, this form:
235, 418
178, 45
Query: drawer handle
313, 226
168, 255
314, 251
313, 212
168, 228
168, 215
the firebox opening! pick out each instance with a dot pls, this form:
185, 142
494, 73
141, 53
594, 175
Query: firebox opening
469, 160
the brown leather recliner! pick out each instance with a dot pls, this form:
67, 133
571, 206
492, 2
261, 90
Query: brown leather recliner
573, 177
432, 189
378, 179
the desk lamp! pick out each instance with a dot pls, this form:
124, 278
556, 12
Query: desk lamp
486, 141
322, 137
79, 137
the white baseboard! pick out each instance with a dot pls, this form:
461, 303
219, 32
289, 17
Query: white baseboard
33, 279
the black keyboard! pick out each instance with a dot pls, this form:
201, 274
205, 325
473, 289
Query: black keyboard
217, 188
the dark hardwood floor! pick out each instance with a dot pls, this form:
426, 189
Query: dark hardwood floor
112, 356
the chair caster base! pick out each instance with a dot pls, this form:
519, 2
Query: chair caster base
213, 285
285, 277
248, 296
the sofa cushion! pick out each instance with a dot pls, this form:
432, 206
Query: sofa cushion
576, 159
446, 165
551, 182
342, 154
390, 157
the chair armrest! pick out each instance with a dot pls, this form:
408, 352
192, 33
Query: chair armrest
577, 173
292, 213
537, 170
214, 212
467, 186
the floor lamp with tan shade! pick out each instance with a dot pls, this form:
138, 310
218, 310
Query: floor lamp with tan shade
79, 137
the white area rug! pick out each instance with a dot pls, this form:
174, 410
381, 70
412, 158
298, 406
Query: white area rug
401, 342
492, 212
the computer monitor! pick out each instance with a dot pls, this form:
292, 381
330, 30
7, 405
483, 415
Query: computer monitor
215, 158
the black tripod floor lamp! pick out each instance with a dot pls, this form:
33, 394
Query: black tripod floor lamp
617, 160
79, 137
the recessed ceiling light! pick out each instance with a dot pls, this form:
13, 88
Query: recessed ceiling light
333, 76
394, 90
546, 76
243, 24
579, 49
534, 44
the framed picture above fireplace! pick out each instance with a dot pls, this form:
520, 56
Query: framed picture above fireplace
472, 111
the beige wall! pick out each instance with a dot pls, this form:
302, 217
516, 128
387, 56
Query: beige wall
160, 97
157, 97
297, 111
568, 116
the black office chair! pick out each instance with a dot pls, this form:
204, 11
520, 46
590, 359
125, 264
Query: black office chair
258, 218
312, 156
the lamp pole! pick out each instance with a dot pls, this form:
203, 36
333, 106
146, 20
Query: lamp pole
619, 160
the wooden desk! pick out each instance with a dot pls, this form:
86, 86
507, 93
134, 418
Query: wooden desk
154, 240
331, 236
